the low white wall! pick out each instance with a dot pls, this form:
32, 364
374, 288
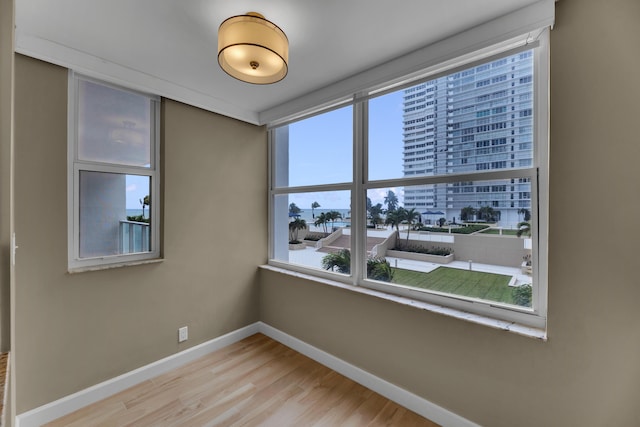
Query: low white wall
485, 249
327, 241
380, 250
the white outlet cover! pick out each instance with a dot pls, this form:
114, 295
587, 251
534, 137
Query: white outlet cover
183, 334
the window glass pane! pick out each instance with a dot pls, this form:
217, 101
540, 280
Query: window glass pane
476, 244
115, 214
310, 226
114, 126
318, 150
478, 119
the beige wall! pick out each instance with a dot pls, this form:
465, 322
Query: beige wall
588, 373
6, 119
73, 331
6, 102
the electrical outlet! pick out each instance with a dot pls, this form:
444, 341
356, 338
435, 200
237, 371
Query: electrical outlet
183, 334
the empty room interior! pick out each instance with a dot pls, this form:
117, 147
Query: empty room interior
166, 197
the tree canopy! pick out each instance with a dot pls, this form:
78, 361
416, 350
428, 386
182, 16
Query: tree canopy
391, 200
294, 209
467, 213
295, 226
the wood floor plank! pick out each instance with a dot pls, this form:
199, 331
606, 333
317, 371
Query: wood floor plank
254, 382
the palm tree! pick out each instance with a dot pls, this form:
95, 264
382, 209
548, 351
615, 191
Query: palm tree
410, 216
294, 209
321, 221
338, 261
394, 218
333, 216
466, 214
313, 206
375, 213
524, 229
487, 213
526, 213
295, 226
391, 200
144, 202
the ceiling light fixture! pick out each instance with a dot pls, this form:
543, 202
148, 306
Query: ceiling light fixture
253, 49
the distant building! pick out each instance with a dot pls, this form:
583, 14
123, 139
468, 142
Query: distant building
472, 120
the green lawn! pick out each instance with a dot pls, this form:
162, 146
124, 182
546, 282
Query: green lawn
475, 284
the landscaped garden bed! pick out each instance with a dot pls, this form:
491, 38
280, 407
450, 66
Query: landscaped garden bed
416, 256
419, 253
314, 236
464, 229
296, 245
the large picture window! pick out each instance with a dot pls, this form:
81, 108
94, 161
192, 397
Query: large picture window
435, 191
113, 175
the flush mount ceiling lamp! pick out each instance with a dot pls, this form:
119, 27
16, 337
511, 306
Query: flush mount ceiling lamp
253, 49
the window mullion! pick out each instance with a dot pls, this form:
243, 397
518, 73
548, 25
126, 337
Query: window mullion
311, 188
107, 168
451, 178
358, 203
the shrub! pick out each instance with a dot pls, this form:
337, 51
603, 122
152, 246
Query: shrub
422, 250
379, 269
137, 218
466, 229
339, 261
522, 295
314, 236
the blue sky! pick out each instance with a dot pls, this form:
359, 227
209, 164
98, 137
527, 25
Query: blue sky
137, 188
320, 151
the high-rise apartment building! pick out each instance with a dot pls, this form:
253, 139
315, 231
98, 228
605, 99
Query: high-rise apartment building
472, 120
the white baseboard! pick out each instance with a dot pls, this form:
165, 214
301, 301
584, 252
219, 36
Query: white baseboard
73, 402
61, 407
392, 392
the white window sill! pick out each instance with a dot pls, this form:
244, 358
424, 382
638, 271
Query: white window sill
115, 265
504, 325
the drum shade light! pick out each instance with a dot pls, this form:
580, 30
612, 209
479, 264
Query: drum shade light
253, 49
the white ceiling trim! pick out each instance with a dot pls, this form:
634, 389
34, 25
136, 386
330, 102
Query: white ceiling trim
88, 64
506, 32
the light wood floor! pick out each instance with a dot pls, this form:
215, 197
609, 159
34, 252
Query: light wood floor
4, 360
255, 382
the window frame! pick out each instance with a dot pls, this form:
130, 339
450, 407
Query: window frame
75, 166
538, 173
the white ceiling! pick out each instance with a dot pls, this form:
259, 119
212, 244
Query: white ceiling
169, 47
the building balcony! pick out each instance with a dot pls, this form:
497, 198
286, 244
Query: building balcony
134, 237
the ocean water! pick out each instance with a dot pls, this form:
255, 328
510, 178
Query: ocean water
307, 215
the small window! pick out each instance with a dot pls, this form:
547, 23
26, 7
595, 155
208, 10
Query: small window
113, 175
